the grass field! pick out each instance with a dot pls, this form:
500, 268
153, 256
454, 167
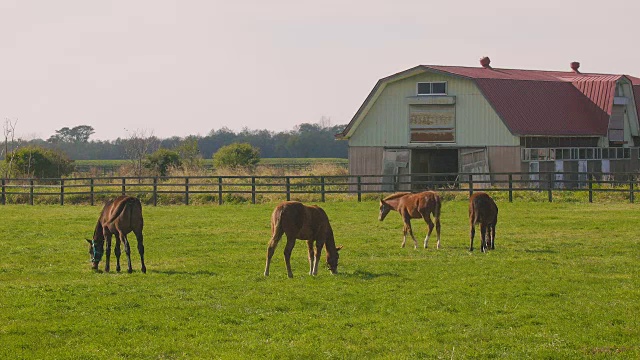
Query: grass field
563, 282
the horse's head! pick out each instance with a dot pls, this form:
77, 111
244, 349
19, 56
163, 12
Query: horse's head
96, 249
384, 209
332, 260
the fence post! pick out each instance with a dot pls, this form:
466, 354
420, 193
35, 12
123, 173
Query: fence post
631, 192
61, 191
288, 187
549, 190
3, 199
590, 188
91, 200
253, 189
359, 188
322, 188
155, 191
31, 192
470, 184
510, 187
124, 185
219, 190
186, 191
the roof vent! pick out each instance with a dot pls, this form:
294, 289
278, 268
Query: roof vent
575, 66
485, 61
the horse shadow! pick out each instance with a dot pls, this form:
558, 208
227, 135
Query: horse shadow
179, 272
367, 275
541, 251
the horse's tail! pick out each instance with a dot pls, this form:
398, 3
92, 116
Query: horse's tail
276, 225
474, 213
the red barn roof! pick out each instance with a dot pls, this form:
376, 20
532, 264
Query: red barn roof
535, 102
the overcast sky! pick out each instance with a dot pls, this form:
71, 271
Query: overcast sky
186, 67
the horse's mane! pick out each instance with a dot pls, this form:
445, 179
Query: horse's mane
396, 195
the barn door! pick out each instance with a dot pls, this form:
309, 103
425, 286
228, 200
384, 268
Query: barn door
476, 160
395, 165
534, 174
582, 173
559, 169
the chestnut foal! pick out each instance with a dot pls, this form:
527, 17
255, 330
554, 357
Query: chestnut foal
303, 222
414, 206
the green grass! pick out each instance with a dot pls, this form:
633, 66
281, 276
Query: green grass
562, 283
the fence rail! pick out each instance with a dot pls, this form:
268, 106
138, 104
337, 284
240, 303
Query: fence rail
221, 189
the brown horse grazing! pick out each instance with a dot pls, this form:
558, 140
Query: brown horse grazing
119, 217
310, 223
484, 211
414, 206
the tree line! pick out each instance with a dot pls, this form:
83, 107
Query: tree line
53, 157
304, 141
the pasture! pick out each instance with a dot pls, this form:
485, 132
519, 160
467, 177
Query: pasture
563, 282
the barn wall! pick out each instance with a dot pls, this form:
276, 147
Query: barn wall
387, 121
365, 160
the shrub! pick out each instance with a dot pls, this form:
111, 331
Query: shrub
161, 160
34, 161
236, 155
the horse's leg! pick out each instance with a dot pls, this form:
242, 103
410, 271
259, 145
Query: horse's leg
493, 237
140, 240
291, 242
310, 256
117, 251
407, 228
483, 235
427, 218
316, 264
107, 239
127, 250
472, 234
271, 248
438, 232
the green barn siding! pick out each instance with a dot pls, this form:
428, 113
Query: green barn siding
477, 124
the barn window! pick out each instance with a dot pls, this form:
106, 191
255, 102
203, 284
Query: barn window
432, 88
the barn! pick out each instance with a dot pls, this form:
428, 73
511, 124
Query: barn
455, 119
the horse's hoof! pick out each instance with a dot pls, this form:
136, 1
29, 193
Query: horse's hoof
144, 270
130, 271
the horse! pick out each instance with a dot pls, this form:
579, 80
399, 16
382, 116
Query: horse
414, 206
299, 221
119, 217
484, 211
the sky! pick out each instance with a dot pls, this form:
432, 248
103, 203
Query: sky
187, 67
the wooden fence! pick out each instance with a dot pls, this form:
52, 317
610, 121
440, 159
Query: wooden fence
221, 189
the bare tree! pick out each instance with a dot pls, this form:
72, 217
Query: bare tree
138, 145
9, 132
